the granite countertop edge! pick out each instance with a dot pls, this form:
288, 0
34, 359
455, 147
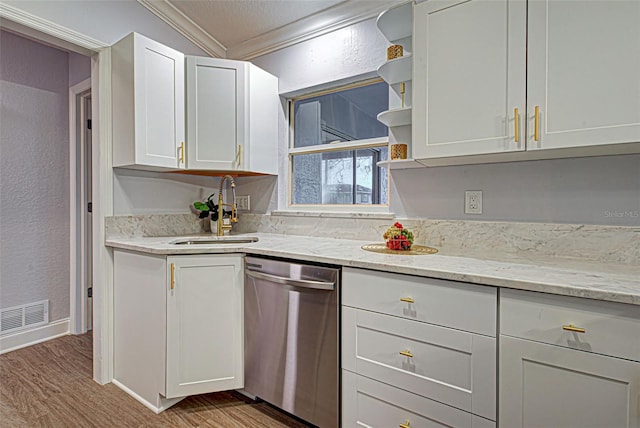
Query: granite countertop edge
555, 276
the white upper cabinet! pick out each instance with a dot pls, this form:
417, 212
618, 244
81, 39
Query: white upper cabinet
232, 116
498, 80
469, 77
583, 73
148, 104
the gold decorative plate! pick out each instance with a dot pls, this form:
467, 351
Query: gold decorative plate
414, 251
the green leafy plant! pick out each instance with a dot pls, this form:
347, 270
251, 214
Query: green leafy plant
207, 208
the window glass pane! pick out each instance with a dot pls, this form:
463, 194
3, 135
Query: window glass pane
345, 115
338, 178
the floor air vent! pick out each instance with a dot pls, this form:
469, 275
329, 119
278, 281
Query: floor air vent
24, 316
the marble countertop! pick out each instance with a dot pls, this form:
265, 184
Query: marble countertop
569, 277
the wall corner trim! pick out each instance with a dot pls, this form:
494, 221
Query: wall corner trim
50, 28
24, 338
185, 26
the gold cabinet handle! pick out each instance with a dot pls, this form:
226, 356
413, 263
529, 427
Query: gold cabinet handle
516, 122
181, 152
536, 124
406, 353
173, 276
239, 156
573, 328
407, 424
402, 91
407, 299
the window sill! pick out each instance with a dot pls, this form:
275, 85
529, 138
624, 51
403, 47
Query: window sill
335, 214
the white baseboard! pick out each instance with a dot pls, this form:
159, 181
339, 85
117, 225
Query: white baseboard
166, 402
24, 338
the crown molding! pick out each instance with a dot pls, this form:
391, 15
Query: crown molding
340, 16
50, 32
185, 26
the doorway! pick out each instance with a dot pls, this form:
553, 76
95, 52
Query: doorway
81, 206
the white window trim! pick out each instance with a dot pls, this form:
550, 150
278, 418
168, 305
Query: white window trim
327, 209
320, 209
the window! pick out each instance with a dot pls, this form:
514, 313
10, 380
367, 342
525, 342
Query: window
337, 142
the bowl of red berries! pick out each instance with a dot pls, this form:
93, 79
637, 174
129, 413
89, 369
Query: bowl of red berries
398, 238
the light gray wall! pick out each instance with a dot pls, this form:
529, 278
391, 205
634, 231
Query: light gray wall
34, 175
593, 190
79, 68
107, 20
142, 192
598, 190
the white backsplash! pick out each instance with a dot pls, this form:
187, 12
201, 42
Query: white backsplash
484, 240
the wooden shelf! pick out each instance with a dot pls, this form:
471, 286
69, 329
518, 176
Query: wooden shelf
396, 70
396, 23
396, 117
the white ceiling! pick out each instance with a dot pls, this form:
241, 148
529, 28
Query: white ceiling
244, 29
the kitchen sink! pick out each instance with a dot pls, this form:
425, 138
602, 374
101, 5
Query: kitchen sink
215, 240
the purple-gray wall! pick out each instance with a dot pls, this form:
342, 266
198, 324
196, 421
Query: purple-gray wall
34, 174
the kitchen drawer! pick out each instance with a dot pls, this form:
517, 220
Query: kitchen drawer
609, 328
366, 402
448, 303
450, 366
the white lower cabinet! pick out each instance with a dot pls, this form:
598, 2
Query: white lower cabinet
178, 325
568, 362
401, 371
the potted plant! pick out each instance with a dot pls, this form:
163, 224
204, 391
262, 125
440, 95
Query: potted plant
208, 209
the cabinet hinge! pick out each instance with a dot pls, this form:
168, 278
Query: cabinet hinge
88, 123
90, 292
89, 207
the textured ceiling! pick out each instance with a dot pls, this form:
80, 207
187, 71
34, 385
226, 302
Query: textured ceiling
232, 22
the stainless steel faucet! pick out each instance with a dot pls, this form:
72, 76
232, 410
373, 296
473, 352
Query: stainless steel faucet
234, 211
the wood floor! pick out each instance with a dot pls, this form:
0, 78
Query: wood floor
50, 385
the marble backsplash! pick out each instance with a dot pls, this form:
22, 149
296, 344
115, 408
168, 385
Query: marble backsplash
478, 239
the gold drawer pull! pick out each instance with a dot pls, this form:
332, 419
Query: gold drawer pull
181, 148
407, 299
536, 125
239, 156
173, 276
406, 353
516, 122
573, 328
407, 424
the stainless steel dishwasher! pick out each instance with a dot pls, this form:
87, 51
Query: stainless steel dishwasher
291, 338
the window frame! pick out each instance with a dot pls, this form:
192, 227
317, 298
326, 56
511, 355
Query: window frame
331, 147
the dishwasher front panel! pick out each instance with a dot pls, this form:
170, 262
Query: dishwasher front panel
291, 338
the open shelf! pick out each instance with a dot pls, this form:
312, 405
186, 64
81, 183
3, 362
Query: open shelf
400, 164
397, 22
396, 70
396, 117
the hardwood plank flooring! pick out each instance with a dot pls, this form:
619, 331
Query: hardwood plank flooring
50, 385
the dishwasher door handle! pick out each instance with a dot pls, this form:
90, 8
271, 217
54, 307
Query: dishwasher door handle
304, 283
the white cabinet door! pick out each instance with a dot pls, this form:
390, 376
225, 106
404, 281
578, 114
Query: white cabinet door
549, 386
148, 104
469, 77
583, 73
215, 107
205, 333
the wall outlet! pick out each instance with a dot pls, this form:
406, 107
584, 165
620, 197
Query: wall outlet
473, 202
243, 203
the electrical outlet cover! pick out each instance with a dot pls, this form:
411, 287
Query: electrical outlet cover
473, 202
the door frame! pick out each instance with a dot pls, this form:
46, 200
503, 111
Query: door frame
77, 204
56, 35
